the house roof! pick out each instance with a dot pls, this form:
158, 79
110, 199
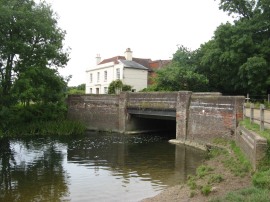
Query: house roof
138, 63
133, 64
142, 61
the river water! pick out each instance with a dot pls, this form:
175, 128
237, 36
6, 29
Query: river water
94, 167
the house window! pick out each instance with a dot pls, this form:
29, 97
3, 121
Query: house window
98, 76
90, 91
91, 78
105, 90
117, 73
105, 75
97, 90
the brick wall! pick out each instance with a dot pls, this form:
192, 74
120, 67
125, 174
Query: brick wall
98, 112
212, 116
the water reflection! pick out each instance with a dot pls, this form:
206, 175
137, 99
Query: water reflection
96, 167
32, 171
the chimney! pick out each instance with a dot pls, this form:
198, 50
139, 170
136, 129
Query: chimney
98, 59
128, 54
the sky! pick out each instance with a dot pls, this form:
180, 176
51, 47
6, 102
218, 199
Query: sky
151, 29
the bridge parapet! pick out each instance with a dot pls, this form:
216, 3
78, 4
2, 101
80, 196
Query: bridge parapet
153, 100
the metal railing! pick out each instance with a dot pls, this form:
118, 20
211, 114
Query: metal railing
261, 115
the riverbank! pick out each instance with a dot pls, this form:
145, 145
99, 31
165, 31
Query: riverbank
224, 175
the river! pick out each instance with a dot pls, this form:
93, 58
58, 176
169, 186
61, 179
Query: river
93, 167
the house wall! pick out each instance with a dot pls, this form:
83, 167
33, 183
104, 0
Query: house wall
136, 78
102, 83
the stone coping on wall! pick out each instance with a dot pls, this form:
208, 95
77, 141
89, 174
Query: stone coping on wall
253, 145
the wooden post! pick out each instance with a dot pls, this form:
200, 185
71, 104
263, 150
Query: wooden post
244, 110
248, 98
251, 113
262, 108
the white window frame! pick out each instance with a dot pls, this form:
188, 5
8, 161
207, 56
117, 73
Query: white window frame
91, 78
105, 90
105, 75
118, 73
98, 76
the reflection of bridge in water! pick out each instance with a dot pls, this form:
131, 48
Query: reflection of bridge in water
195, 117
123, 156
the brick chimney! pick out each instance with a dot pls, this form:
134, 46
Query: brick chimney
128, 54
98, 59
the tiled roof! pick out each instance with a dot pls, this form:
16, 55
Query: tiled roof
133, 65
141, 61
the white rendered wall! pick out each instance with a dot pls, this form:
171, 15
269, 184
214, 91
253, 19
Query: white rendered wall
136, 78
102, 83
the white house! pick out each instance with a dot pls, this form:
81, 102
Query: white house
131, 71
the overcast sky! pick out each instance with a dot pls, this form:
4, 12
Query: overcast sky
152, 29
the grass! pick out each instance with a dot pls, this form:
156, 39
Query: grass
63, 127
206, 178
251, 194
260, 191
257, 104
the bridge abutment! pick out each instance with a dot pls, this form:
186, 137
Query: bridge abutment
182, 106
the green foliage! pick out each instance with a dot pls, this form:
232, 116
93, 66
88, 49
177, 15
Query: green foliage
215, 178
192, 182
126, 88
117, 86
39, 85
39, 128
30, 44
180, 74
80, 89
203, 171
250, 194
262, 179
236, 60
239, 164
206, 189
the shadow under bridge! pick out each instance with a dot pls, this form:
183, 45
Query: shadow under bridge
151, 114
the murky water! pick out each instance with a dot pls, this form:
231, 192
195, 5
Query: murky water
95, 167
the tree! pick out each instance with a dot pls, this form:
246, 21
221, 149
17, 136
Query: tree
236, 60
117, 86
29, 39
80, 89
40, 85
180, 74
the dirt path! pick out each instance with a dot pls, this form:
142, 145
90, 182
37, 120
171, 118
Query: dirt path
257, 116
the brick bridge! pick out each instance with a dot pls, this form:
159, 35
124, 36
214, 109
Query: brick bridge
195, 117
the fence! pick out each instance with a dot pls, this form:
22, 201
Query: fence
258, 98
261, 115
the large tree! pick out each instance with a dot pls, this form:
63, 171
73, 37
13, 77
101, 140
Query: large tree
181, 73
30, 41
237, 59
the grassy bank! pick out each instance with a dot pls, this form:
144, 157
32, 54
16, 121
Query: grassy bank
259, 191
38, 119
39, 128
